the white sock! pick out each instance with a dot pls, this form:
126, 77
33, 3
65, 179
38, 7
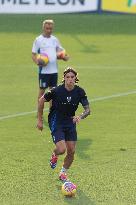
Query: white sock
63, 170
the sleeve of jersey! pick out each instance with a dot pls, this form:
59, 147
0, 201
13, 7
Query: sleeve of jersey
49, 95
83, 98
58, 46
35, 47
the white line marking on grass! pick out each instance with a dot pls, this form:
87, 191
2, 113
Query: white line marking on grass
113, 96
92, 100
16, 115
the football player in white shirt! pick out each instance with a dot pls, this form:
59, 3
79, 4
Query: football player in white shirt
49, 44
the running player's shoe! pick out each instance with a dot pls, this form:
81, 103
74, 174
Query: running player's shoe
53, 161
63, 177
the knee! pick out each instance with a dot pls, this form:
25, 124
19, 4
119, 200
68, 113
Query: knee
60, 147
71, 152
61, 150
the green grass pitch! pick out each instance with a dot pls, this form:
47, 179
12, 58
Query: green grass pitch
103, 51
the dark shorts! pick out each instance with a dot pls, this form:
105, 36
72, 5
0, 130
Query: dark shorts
48, 80
66, 132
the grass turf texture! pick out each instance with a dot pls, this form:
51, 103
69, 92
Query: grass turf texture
102, 49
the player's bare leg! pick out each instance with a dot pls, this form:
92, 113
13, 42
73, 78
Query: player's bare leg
70, 145
59, 149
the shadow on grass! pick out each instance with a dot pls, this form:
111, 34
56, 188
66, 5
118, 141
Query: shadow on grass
83, 145
85, 48
79, 199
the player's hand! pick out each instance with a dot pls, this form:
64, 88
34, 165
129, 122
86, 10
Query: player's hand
40, 125
66, 57
40, 63
76, 119
62, 55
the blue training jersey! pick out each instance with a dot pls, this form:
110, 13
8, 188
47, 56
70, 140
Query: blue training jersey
64, 102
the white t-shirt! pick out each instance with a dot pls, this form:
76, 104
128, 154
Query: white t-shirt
50, 46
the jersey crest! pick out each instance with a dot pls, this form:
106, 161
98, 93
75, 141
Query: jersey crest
69, 99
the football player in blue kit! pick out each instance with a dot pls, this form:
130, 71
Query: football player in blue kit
62, 120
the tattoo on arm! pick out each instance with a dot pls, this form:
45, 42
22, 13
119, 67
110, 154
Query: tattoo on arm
86, 112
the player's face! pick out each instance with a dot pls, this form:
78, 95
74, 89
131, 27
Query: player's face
48, 28
70, 79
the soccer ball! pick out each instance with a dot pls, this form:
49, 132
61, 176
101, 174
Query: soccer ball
42, 59
61, 54
68, 189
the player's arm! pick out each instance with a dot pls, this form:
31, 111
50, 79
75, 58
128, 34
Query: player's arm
35, 49
45, 98
34, 58
85, 103
40, 113
85, 113
61, 53
66, 57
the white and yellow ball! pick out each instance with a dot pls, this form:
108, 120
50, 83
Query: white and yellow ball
61, 54
68, 189
42, 59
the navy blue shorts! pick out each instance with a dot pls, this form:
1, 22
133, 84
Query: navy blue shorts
48, 80
66, 132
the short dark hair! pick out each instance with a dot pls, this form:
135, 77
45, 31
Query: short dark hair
68, 70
